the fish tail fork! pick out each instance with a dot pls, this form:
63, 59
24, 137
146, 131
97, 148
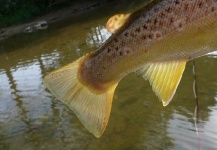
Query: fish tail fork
92, 109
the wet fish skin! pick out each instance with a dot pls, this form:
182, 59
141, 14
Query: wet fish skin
137, 40
156, 42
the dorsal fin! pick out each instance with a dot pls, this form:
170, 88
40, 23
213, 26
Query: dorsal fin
116, 21
164, 78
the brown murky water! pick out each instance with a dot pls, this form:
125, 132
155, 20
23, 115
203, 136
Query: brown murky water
31, 118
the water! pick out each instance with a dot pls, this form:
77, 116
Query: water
31, 118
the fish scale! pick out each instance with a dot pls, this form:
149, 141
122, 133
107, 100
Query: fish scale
170, 22
170, 15
156, 42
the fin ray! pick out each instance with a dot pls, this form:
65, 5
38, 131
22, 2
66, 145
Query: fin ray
92, 109
164, 78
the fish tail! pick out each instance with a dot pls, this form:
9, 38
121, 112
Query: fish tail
92, 109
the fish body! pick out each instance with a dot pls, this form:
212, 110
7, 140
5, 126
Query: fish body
155, 41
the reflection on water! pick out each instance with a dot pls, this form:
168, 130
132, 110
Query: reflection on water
97, 36
31, 118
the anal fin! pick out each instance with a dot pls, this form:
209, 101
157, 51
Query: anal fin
164, 78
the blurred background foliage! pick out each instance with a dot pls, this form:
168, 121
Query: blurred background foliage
20, 11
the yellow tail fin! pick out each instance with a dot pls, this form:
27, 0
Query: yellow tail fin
92, 109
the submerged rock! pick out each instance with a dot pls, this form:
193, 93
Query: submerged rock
41, 25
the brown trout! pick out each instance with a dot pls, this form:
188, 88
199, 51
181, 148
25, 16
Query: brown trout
155, 41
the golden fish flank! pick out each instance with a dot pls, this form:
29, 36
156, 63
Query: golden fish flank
155, 41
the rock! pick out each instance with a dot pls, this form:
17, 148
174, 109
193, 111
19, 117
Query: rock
28, 30
41, 25
2, 31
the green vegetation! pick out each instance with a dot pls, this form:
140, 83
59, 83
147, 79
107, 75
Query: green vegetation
20, 11
17, 11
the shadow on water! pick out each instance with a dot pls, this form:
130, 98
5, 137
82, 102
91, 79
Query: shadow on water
31, 118
122, 6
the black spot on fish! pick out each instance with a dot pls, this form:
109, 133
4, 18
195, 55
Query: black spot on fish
171, 20
161, 23
128, 51
213, 9
126, 34
169, 10
155, 21
144, 37
177, 2
145, 26
158, 35
151, 36
162, 15
200, 4
138, 29
121, 53
109, 50
186, 6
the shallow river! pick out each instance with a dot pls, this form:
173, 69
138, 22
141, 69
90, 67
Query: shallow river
32, 119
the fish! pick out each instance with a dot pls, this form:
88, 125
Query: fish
155, 41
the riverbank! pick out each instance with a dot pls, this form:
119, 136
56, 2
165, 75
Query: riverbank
43, 22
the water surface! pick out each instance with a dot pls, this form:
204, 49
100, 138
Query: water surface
31, 118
